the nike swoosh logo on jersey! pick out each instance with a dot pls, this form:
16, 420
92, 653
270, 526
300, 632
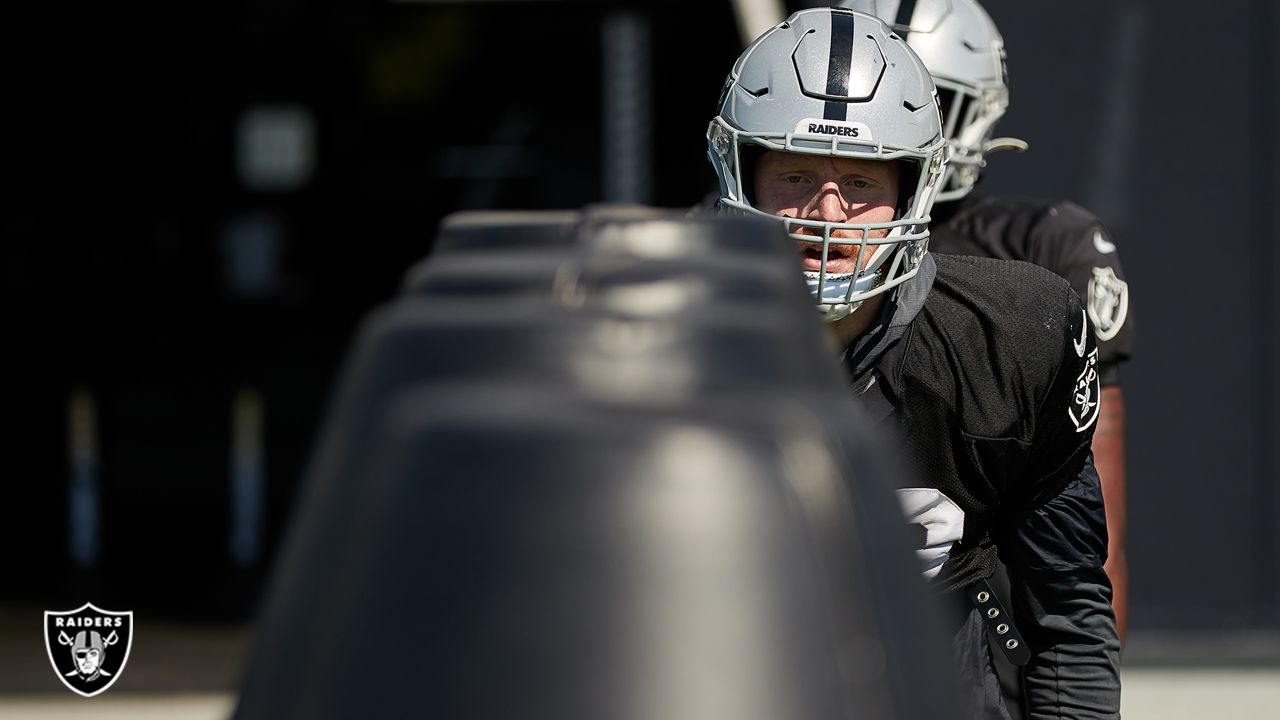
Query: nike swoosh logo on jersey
1084, 329
1101, 244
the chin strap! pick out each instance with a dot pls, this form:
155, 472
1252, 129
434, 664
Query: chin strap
831, 295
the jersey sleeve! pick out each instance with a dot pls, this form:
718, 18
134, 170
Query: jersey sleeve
1073, 243
1068, 409
1056, 545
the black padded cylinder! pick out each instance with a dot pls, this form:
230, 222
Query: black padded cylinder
519, 554
622, 479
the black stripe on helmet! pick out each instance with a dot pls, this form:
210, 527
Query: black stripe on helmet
902, 23
838, 65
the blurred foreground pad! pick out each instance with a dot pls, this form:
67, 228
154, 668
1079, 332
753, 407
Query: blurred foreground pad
706, 349
527, 275
663, 234
519, 553
616, 229
487, 252
697, 358
642, 492
506, 230
639, 286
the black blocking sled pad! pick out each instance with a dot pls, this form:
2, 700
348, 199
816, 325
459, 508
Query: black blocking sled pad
628, 483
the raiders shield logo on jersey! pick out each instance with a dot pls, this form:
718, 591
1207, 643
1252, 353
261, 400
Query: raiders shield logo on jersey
1108, 302
88, 646
1087, 392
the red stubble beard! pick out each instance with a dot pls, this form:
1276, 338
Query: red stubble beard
842, 259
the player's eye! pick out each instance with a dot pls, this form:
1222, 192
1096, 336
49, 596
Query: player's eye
793, 179
859, 183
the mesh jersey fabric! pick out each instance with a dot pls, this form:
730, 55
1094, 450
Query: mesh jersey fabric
984, 384
1059, 236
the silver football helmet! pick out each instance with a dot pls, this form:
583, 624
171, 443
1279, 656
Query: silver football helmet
836, 83
964, 52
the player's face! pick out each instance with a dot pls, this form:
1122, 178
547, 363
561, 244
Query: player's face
840, 190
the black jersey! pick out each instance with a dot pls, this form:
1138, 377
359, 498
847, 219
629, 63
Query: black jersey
989, 372
1059, 236
995, 389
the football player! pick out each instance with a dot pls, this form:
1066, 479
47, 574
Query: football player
829, 124
964, 52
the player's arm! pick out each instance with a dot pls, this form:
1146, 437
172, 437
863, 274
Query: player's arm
1056, 545
1073, 243
1108, 454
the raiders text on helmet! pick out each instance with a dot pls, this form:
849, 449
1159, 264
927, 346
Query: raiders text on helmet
836, 83
963, 50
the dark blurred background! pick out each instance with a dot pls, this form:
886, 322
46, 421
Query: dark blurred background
204, 201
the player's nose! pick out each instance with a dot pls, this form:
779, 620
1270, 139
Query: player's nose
830, 206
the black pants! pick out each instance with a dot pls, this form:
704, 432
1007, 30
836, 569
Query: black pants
989, 683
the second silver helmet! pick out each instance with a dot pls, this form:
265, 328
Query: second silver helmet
965, 53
